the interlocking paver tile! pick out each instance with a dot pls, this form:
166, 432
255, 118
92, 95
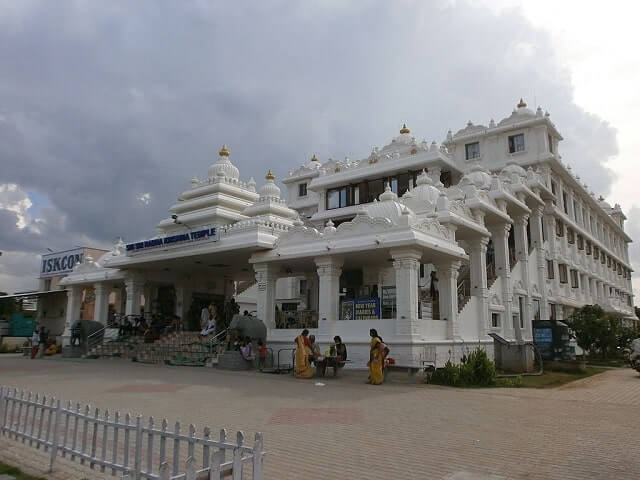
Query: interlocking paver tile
350, 430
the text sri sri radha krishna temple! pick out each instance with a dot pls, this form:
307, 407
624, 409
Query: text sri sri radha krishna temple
430, 244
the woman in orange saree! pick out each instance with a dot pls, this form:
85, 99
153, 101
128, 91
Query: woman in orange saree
303, 350
376, 358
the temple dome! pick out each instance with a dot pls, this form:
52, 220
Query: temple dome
513, 170
270, 189
388, 207
478, 177
520, 113
424, 196
270, 205
224, 167
314, 163
603, 203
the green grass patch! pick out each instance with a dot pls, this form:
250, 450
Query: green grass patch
607, 362
549, 379
9, 470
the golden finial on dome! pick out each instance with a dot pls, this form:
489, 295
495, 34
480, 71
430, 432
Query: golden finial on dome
314, 158
224, 151
404, 129
270, 175
522, 103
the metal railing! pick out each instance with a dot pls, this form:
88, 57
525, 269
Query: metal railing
95, 339
134, 447
215, 341
297, 319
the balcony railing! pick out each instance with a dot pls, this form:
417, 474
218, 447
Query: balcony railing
297, 319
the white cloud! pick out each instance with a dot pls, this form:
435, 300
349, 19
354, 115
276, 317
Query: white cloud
144, 198
15, 200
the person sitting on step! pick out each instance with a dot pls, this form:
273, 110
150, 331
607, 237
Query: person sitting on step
247, 350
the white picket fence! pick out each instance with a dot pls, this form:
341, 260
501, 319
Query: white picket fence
129, 447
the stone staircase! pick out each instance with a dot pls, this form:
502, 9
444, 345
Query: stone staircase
465, 302
124, 348
178, 348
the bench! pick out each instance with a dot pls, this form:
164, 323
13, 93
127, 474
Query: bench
425, 367
331, 362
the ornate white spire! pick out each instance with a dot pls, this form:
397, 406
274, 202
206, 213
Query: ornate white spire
224, 167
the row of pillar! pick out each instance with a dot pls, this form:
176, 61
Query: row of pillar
406, 263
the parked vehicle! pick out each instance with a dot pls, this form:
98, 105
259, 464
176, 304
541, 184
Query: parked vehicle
634, 354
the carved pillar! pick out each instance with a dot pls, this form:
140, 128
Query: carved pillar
448, 293
537, 242
133, 285
101, 304
500, 238
183, 303
522, 255
329, 270
146, 293
266, 293
478, 272
74, 301
406, 263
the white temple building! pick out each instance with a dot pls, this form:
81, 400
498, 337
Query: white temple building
432, 244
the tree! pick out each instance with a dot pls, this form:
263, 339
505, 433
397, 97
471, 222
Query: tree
585, 323
598, 332
7, 306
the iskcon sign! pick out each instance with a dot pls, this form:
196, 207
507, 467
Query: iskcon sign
59, 263
209, 234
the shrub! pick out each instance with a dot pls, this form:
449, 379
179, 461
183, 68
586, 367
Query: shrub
475, 369
4, 348
448, 375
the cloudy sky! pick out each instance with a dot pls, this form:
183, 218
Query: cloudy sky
108, 109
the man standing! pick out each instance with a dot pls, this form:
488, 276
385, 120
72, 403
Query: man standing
205, 315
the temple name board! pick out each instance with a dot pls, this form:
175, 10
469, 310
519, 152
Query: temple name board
209, 234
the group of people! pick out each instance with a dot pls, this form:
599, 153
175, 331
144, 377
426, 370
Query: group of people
308, 354
151, 330
40, 343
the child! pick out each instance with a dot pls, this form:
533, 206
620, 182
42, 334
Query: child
35, 343
262, 355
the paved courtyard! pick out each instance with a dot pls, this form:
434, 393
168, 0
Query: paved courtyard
348, 430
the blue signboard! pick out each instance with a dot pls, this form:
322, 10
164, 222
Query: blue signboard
543, 339
210, 234
361, 309
542, 335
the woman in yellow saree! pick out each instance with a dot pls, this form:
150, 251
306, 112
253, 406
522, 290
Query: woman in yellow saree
376, 358
303, 350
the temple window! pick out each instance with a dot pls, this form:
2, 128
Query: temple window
472, 150
516, 143
562, 270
